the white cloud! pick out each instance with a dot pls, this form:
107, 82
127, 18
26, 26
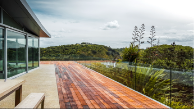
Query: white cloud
192, 31
55, 34
58, 36
110, 25
73, 21
64, 31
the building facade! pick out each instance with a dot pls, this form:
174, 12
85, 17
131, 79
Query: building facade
20, 32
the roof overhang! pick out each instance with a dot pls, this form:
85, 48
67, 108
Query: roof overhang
21, 12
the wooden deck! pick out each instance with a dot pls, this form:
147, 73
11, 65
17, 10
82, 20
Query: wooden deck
79, 87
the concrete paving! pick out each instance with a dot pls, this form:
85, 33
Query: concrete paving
40, 80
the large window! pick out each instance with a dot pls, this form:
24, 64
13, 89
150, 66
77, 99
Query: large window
1, 55
33, 53
16, 53
36, 52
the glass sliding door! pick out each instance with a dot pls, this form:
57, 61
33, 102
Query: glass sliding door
30, 53
16, 53
2, 76
33, 53
36, 53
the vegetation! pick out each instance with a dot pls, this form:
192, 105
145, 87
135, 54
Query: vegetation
83, 51
138, 35
167, 56
119, 50
150, 82
152, 32
178, 57
130, 54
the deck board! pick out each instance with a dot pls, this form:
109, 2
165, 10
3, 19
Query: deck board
79, 87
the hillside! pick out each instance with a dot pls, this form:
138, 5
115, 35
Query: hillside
78, 52
120, 50
180, 57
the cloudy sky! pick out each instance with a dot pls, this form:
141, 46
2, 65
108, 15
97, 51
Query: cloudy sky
111, 22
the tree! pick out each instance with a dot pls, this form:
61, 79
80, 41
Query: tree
170, 55
135, 33
152, 32
137, 38
140, 34
181, 58
130, 54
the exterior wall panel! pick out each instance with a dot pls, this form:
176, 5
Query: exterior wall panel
10, 22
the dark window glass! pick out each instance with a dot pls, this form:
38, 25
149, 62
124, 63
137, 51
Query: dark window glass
30, 53
10, 22
1, 54
16, 53
36, 52
33, 53
0, 16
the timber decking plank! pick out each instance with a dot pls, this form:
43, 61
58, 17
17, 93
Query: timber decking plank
79, 87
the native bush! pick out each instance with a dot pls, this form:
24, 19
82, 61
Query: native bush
130, 54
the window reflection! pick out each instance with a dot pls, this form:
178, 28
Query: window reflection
1, 54
33, 53
16, 53
36, 53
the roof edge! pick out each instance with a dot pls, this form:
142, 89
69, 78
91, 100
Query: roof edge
45, 32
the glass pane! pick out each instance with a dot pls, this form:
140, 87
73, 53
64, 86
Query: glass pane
182, 89
30, 53
33, 53
1, 54
0, 15
153, 82
36, 53
16, 53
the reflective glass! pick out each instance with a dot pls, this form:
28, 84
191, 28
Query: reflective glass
30, 53
33, 53
182, 88
36, 53
1, 54
16, 53
0, 15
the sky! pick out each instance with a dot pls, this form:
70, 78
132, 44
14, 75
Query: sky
111, 22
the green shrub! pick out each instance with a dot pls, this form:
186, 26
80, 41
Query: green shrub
130, 54
119, 61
